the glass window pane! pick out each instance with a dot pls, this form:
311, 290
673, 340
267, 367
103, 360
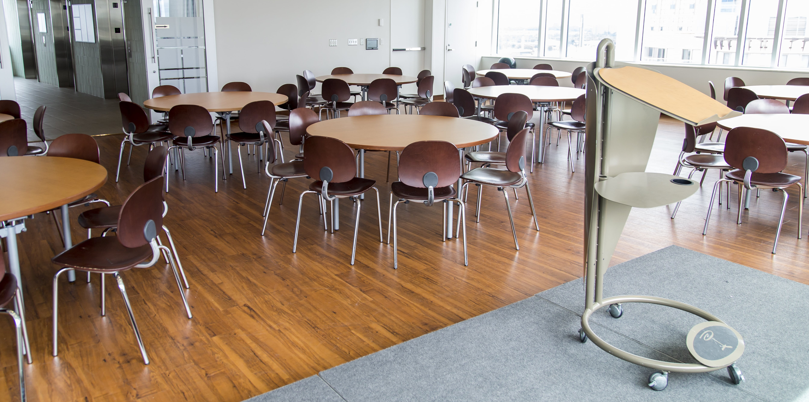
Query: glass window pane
673, 31
518, 28
725, 32
593, 20
794, 46
760, 33
553, 29
180, 36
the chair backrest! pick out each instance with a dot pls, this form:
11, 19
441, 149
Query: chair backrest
310, 78
10, 107
291, 91
801, 105
392, 71
165, 90
303, 84
467, 75
575, 75
423, 157
449, 91
578, 109
516, 123
422, 74
329, 159
732, 82
766, 106
367, 108
799, 81
439, 109
507, 104
426, 87
464, 102
253, 113
767, 147
543, 66
738, 98
335, 90
13, 138
581, 80
39, 120
141, 216
190, 121
482, 82
383, 90
134, 119
155, 163
470, 68
299, 120
498, 66
76, 146
544, 79
692, 132
237, 87
515, 154
341, 70
713, 90
123, 97
302, 99
498, 77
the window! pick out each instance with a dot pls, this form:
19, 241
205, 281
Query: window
680, 27
553, 29
725, 32
795, 41
758, 45
518, 28
593, 20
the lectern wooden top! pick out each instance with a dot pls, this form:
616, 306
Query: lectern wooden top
670, 96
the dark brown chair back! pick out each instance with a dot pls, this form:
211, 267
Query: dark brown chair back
392, 71
367, 108
482, 82
299, 120
499, 66
464, 102
303, 84
134, 119
291, 91
581, 80
544, 80
732, 82
10, 107
470, 69
466, 76
449, 91
341, 70
329, 159
122, 97
439, 109
422, 74
310, 78
302, 99
335, 90
509, 103
165, 90
141, 216
426, 87
766, 106
13, 138
801, 105
155, 163
575, 75
420, 158
516, 123
383, 90
799, 81
498, 77
738, 98
767, 147
578, 109
237, 87
692, 132
713, 90
190, 121
253, 113
543, 66
515, 154
39, 120
76, 146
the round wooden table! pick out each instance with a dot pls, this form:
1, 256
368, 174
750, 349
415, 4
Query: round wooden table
782, 92
37, 184
223, 103
525, 73
393, 132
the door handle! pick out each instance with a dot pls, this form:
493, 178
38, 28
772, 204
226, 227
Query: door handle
449, 49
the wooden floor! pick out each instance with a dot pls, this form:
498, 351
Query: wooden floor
265, 317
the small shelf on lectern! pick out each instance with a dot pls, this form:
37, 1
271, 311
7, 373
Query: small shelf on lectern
646, 190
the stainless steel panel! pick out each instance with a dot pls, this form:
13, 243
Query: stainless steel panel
27, 41
112, 46
61, 43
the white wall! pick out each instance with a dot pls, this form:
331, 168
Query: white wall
6, 75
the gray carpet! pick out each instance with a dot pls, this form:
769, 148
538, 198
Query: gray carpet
529, 351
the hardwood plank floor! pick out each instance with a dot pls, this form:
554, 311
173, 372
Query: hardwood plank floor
265, 317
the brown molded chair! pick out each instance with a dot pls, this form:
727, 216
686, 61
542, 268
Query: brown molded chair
732, 82
237, 86
336, 93
135, 246
575, 75
799, 81
543, 66
13, 138
467, 109
293, 98
505, 106
11, 108
513, 176
699, 162
192, 126
422, 75
123, 97
515, 124
392, 71
10, 293
713, 90
39, 130
499, 66
758, 158
801, 105
384, 90
449, 91
544, 79
427, 172
445, 109
340, 71
253, 132
581, 80
498, 77
577, 125
467, 75
299, 120
306, 84
482, 82
165, 90
738, 98
425, 95
138, 130
332, 164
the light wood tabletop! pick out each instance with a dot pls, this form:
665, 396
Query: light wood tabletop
5, 117
782, 92
366, 79
214, 101
791, 127
524, 73
36, 184
393, 132
535, 92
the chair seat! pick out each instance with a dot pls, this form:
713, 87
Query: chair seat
486, 157
100, 218
289, 170
416, 101
790, 147
35, 150
708, 161
778, 180
102, 254
494, 177
353, 187
403, 96
152, 136
244, 138
160, 127
710, 147
568, 125
503, 125
281, 125
202, 141
8, 286
480, 119
406, 192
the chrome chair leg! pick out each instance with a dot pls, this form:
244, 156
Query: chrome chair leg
378, 213
800, 209
356, 229
742, 192
479, 202
21, 309
710, 205
268, 205
18, 324
120, 157
298, 220
131, 317
781, 219
444, 220
531, 203
216, 172
55, 308
176, 256
267, 201
390, 214
510, 217
462, 217
177, 278
395, 242
241, 166
129, 160
677, 207
103, 295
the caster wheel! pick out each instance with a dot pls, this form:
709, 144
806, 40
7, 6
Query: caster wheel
616, 310
582, 336
736, 375
658, 381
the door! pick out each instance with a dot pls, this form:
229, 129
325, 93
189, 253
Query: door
179, 33
460, 39
407, 33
